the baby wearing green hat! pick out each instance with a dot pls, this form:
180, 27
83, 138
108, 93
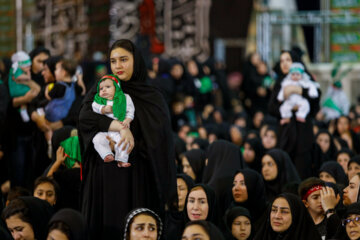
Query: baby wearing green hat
114, 103
296, 77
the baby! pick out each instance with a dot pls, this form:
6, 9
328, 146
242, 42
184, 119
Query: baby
296, 77
111, 101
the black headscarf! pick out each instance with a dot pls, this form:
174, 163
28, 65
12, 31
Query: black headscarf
188, 180
211, 199
256, 202
234, 212
51, 63
355, 159
336, 171
330, 154
37, 77
203, 143
224, 158
286, 173
196, 158
40, 213
302, 226
259, 151
345, 150
74, 220
213, 232
137, 211
353, 209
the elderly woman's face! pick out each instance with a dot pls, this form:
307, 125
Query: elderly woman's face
143, 227
241, 228
280, 216
285, 62
197, 205
19, 229
122, 63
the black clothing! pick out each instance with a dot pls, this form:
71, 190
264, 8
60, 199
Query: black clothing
74, 220
110, 192
203, 143
259, 151
336, 171
196, 158
229, 217
286, 173
302, 226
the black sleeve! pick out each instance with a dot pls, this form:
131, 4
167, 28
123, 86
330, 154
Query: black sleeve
274, 104
314, 102
58, 91
334, 227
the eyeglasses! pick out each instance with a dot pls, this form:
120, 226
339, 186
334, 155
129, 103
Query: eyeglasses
356, 221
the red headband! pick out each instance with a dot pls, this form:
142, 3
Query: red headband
311, 190
110, 77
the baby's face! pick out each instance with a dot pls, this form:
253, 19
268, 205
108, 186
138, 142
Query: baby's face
26, 69
295, 76
107, 89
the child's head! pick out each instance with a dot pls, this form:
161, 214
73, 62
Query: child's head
107, 89
296, 71
22, 60
65, 69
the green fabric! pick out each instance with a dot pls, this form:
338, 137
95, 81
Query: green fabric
119, 100
206, 85
24, 63
267, 82
16, 89
330, 104
295, 69
1, 82
72, 150
337, 84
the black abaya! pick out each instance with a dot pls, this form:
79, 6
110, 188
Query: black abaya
110, 192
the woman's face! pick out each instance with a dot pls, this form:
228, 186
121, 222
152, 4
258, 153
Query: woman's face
249, 153
239, 189
47, 75
351, 192
182, 191
326, 177
241, 228
269, 140
122, 63
280, 216
195, 232
353, 169
143, 227
197, 206
56, 234
285, 62
19, 229
269, 168
236, 136
353, 227
342, 125
177, 71
38, 62
187, 169
343, 159
192, 68
46, 191
324, 142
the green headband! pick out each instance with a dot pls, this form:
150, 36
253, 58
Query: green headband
119, 106
296, 69
25, 63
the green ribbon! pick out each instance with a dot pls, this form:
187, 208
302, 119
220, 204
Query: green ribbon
24, 63
119, 100
295, 69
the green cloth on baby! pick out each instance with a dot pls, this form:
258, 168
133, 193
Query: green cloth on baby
17, 89
72, 150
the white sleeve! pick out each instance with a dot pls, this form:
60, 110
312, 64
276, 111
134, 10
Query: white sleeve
97, 107
130, 108
313, 92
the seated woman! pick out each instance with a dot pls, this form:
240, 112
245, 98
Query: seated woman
353, 166
270, 138
143, 223
201, 204
288, 219
277, 170
333, 172
253, 152
193, 163
352, 221
326, 149
343, 157
67, 224
27, 218
201, 229
249, 191
238, 223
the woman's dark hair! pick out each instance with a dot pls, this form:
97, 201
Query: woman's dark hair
122, 43
17, 207
42, 179
62, 227
211, 230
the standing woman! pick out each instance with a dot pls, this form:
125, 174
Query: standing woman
109, 192
296, 138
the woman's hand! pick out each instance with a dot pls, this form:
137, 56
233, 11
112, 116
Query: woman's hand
288, 90
127, 138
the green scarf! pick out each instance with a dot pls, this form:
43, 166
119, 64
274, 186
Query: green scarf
72, 150
119, 100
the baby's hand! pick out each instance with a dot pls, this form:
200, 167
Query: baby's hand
107, 109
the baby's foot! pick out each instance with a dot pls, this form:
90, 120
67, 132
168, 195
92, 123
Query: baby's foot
109, 158
299, 119
284, 121
124, 164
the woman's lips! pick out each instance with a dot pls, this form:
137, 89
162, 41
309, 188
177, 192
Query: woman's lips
195, 215
120, 72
